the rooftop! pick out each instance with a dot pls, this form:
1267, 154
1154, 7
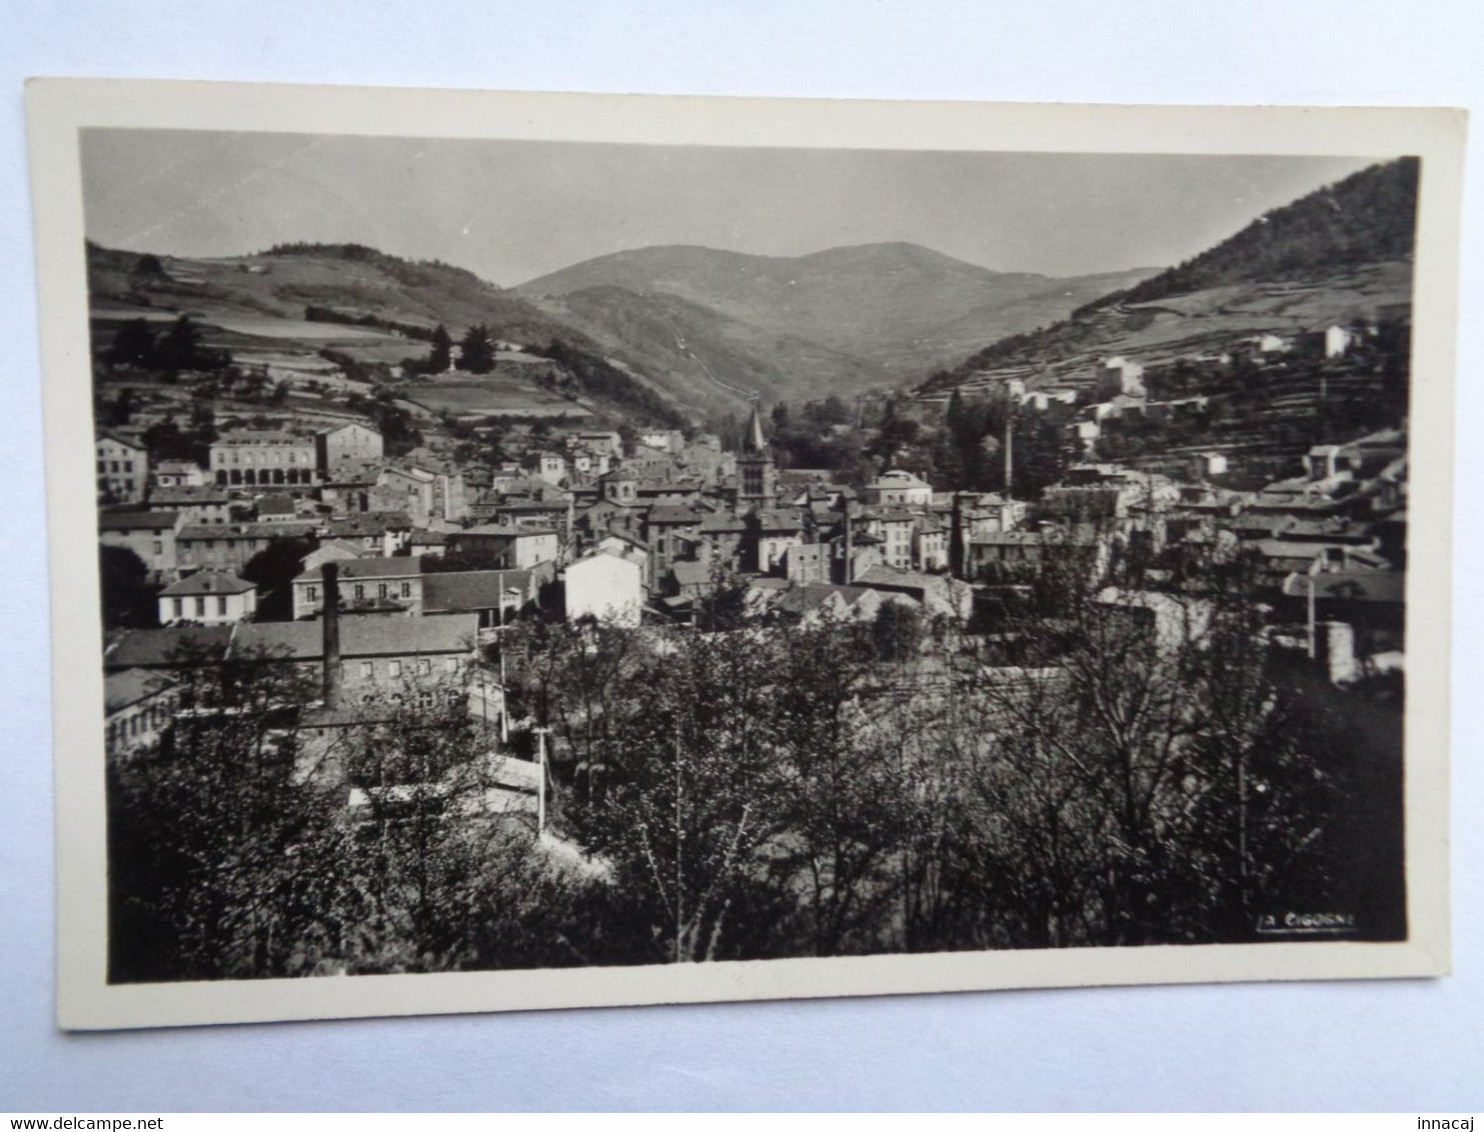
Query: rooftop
503, 530
370, 635
354, 569
129, 686
137, 520
119, 438
1384, 587
175, 644
187, 496
670, 513
207, 582
473, 589
262, 436
244, 530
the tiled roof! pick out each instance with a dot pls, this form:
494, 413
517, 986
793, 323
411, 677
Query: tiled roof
129, 686
276, 505
812, 595
773, 519
262, 436
137, 520
1387, 587
723, 524
152, 648
207, 582
245, 530
472, 589
355, 569
692, 573
669, 513
119, 438
187, 496
500, 530
373, 635
890, 576
370, 523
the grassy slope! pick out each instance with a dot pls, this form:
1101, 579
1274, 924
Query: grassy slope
1336, 254
875, 312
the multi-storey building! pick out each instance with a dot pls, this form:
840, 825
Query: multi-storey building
262, 457
365, 583
152, 535
123, 469
209, 597
344, 449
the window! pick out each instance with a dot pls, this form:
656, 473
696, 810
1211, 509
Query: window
159, 547
406, 589
113, 466
381, 590
221, 606
311, 593
394, 668
200, 607
451, 664
368, 669
424, 667
128, 465
179, 606
102, 467
360, 592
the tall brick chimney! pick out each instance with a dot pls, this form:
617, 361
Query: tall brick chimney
330, 621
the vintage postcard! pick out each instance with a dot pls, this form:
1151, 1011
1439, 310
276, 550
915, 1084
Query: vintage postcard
516, 551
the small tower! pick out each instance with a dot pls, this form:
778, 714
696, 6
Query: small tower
756, 475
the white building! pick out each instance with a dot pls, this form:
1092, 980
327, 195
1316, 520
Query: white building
210, 598
899, 487
606, 587
262, 457
1121, 376
552, 468
1209, 464
179, 473
1336, 341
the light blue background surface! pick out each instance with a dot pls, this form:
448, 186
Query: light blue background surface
1405, 1045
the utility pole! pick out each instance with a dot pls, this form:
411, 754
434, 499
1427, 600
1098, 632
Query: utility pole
1313, 646
541, 734
1009, 458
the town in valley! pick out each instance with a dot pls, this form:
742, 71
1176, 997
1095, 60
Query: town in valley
453, 627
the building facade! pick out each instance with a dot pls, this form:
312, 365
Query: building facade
262, 457
122, 468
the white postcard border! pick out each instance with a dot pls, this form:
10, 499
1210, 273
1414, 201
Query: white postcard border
58, 108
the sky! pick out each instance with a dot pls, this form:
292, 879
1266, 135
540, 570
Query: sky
514, 210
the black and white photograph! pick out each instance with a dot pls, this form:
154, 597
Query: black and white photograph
649, 564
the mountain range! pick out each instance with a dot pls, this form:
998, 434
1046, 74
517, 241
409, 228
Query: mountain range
706, 329
837, 321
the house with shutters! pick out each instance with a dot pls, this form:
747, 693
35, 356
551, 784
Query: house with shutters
208, 597
384, 584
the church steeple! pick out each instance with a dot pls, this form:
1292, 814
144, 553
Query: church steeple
754, 442
756, 475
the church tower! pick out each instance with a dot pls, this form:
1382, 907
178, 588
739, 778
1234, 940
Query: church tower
756, 476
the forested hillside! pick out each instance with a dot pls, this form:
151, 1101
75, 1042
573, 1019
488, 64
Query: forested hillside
1366, 218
